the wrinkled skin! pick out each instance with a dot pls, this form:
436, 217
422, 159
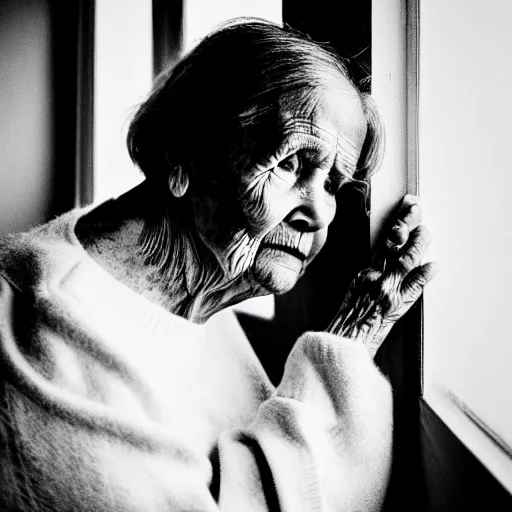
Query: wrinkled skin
285, 203
383, 293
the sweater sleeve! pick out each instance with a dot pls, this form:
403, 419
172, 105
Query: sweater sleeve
322, 442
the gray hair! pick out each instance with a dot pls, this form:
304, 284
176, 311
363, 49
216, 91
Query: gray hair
233, 79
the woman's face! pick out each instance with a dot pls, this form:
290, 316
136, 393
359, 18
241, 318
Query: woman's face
276, 220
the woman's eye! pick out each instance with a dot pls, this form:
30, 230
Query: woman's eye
290, 164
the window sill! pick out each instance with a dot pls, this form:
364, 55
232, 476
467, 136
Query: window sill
487, 447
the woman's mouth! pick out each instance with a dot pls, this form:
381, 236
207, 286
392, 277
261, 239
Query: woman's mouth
285, 248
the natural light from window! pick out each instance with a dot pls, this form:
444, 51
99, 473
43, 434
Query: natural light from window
466, 184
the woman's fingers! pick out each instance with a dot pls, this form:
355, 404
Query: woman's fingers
409, 200
415, 280
379, 296
415, 249
408, 219
398, 236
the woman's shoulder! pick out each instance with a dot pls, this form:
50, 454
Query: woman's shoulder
27, 256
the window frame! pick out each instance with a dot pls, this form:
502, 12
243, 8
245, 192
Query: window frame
427, 432
84, 172
464, 424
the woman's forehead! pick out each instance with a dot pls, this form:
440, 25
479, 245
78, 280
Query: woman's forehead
336, 120
337, 115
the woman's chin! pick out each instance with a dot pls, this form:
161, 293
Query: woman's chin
276, 271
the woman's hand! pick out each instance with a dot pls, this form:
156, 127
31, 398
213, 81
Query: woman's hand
383, 293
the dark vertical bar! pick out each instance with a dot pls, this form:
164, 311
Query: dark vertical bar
312, 304
167, 33
84, 179
345, 25
64, 76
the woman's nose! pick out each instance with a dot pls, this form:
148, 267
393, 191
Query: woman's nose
316, 208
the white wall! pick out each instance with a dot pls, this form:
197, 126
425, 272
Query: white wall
123, 78
201, 16
25, 114
466, 186
389, 90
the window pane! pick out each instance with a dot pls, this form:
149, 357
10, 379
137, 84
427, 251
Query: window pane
465, 183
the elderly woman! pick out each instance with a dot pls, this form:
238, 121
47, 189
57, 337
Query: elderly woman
119, 391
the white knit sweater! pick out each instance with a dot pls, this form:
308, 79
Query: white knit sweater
110, 403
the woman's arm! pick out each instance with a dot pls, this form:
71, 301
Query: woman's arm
322, 442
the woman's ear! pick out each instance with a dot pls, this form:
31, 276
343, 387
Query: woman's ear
178, 181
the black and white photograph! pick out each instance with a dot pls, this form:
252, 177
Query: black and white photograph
254, 256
